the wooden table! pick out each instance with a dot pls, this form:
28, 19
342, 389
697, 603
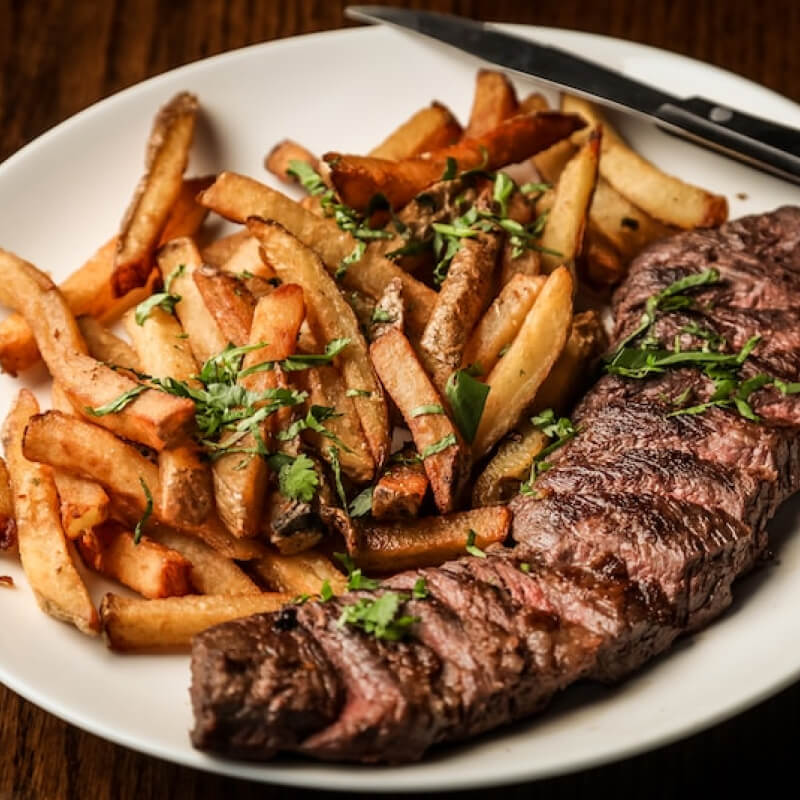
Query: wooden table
59, 56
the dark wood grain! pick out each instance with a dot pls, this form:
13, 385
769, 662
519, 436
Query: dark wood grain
59, 56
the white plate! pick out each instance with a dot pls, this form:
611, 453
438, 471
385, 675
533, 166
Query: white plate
64, 194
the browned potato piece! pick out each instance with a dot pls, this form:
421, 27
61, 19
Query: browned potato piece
150, 417
237, 198
247, 259
229, 302
299, 574
550, 163
137, 624
516, 378
146, 217
185, 486
106, 346
219, 251
279, 159
662, 196
563, 235
147, 567
91, 452
427, 541
400, 491
43, 551
533, 102
330, 317
494, 101
187, 216
8, 525
429, 129
409, 386
463, 298
601, 263
359, 178
501, 322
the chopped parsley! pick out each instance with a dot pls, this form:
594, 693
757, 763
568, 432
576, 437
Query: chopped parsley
467, 398
525, 567
312, 421
336, 467
381, 315
298, 478
379, 616
325, 591
148, 510
361, 504
116, 405
358, 393
471, 547
299, 361
164, 300
438, 447
356, 580
560, 430
430, 408
420, 590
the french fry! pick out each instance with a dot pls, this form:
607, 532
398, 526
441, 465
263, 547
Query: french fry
334, 319
151, 417
501, 322
427, 541
92, 452
602, 265
493, 102
135, 624
46, 560
246, 258
514, 381
237, 198
358, 179
462, 299
229, 302
409, 386
156, 194
218, 252
533, 102
429, 129
399, 492
161, 345
279, 159
389, 311
211, 572
205, 338
299, 574
563, 234
187, 216
8, 525
509, 467
550, 163
106, 346
185, 486
147, 567
662, 196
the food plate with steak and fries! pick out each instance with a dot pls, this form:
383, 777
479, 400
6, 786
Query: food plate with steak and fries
342, 336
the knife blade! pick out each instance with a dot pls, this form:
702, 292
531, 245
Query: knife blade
761, 143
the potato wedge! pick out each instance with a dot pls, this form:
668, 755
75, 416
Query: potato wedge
150, 417
92, 452
462, 299
427, 541
550, 163
211, 572
237, 198
500, 324
185, 486
187, 216
493, 102
563, 235
229, 302
147, 567
359, 178
409, 386
429, 129
299, 574
106, 346
171, 622
332, 318
218, 252
246, 258
533, 102
601, 264
516, 378
156, 194
43, 550
399, 492
279, 159
8, 524
662, 196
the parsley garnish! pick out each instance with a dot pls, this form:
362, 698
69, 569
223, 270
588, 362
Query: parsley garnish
361, 504
431, 408
437, 447
333, 454
325, 591
299, 361
471, 547
148, 510
420, 590
312, 421
450, 170
381, 315
467, 398
379, 616
356, 581
165, 300
525, 567
298, 479
358, 393
561, 430
118, 403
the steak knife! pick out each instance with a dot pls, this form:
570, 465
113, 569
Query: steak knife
761, 143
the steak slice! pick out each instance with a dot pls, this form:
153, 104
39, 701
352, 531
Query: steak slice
692, 554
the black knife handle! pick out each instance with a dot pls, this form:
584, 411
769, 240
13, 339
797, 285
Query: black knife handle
759, 142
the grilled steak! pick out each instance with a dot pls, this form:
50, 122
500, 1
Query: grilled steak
634, 535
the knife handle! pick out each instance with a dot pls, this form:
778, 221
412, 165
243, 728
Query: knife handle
759, 142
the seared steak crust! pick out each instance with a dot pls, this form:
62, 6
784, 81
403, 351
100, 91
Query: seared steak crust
634, 535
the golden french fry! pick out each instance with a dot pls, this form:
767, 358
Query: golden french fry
91, 452
8, 525
662, 196
400, 491
494, 101
514, 381
211, 572
279, 159
237, 198
219, 251
533, 102
409, 386
187, 216
106, 346
563, 235
359, 178
550, 163
246, 258
43, 549
427, 541
171, 622
429, 129
330, 316
150, 417
146, 217
501, 322
228, 301
185, 486
461, 301
147, 567
299, 574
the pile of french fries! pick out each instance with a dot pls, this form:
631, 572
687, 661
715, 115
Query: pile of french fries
368, 402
